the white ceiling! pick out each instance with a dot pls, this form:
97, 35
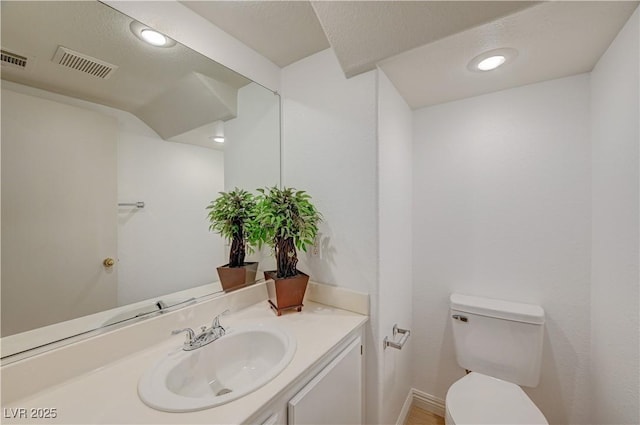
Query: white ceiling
362, 33
282, 31
553, 40
424, 46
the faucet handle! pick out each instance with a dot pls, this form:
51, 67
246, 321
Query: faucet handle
191, 335
216, 320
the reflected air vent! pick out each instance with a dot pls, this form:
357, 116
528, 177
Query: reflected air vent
13, 60
83, 63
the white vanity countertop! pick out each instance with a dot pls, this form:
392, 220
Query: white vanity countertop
109, 394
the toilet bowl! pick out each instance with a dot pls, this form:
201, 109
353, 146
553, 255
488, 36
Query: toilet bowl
481, 399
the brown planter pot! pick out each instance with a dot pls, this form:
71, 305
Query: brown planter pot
237, 277
287, 293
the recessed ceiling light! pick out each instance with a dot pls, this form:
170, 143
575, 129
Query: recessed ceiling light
151, 36
492, 59
217, 139
217, 131
491, 62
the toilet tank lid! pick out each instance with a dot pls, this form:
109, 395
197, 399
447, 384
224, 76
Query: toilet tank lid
501, 309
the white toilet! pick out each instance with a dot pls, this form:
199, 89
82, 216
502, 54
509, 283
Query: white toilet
500, 342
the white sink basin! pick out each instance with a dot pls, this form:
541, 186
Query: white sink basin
231, 367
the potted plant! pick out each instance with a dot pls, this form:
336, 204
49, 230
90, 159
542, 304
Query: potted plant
287, 221
229, 216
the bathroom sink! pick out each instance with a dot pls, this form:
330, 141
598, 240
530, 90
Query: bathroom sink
229, 368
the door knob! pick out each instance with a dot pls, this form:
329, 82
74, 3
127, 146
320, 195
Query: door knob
108, 262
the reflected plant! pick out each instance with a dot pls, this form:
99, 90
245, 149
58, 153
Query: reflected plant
229, 215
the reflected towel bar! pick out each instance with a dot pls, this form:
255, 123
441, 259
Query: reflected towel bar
397, 345
138, 204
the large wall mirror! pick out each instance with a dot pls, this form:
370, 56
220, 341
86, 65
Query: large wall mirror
110, 154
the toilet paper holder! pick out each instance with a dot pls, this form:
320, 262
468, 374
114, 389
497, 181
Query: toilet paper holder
397, 345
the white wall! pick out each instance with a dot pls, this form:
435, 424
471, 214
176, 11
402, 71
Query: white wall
395, 145
252, 152
329, 138
330, 150
614, 316
167, 246
502, 209
252, 140
57, 227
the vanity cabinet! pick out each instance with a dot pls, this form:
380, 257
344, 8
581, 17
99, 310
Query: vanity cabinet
331, 392
334, 396
322, 383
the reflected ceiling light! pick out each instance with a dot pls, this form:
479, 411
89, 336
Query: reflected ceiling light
492, 59
151, 36
218, 132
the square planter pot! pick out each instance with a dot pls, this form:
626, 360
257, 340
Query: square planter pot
237, 277
287, 293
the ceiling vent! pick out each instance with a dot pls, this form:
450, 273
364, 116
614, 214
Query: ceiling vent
83, 63
14, 60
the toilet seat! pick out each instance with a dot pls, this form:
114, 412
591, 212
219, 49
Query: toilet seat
481, 399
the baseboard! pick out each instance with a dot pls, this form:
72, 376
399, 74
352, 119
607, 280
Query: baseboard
406, 407
428, 402
422, 400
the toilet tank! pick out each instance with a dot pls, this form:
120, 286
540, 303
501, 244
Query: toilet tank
498, 338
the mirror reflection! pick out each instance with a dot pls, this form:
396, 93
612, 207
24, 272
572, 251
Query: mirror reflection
111, 150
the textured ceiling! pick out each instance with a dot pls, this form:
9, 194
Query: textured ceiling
424, 46
282, 31
553, 40
362, 33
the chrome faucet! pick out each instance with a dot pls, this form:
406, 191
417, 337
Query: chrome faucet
206, 335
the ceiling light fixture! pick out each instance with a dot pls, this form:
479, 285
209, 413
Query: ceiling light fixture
492, 59
151, 36
491, 62
218, 132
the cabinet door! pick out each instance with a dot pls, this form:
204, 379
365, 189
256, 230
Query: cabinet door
334, 396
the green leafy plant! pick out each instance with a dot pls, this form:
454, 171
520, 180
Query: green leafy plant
286, 220
229, 215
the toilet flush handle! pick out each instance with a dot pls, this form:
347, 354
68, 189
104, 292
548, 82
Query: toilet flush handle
460, 318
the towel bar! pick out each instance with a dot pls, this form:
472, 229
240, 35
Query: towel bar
138, 204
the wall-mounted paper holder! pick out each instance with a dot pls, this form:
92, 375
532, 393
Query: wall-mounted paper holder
398, 345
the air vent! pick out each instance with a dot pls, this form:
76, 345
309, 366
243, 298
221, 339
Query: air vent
13, 60
83, 63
